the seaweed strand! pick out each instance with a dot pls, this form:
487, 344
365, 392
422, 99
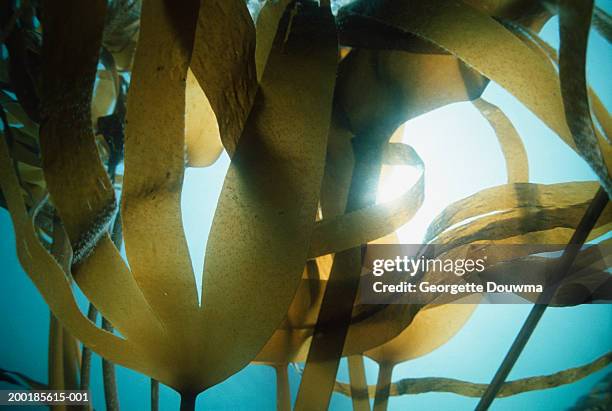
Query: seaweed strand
188, 401
108, 368
92, 315
154, 395
565, 263
408, 386
359, 385
383, 386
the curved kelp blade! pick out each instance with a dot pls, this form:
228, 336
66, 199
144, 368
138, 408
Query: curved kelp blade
223, 62
335, 234
550, 222
599, 110
511, 196
66, 123
574, 25
431, 328
154, 165
378, 90
261, 231
50, 279
516, 222
483, 44
513, 149
79, 186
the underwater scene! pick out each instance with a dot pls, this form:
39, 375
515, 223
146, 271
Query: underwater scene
363, 205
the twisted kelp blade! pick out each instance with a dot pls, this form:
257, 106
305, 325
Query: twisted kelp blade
515, 222
584, 283
584, 227
517, 166
259, 240
338, 171
383, 323
511, 196
66, 122
51, 280
408, 386
467, 33
574, 25
78, 184
335, 234
202, 128
223, 62
154, 165
539, 45
378, 91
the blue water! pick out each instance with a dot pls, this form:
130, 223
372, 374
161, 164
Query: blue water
566, 337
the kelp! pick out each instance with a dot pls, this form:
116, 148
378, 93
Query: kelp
603, 23
287, 170
366, 224
150, 206
309, 129
563, 268
407, 386
508, 197
311, 155
517, 166
464, 32
574, 24
431, 327
223, 62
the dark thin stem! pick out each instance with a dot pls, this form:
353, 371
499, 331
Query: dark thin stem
92, 315
565, 263
188, 402
154, 395
108, 368
108, 376
283, 393
383, 385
